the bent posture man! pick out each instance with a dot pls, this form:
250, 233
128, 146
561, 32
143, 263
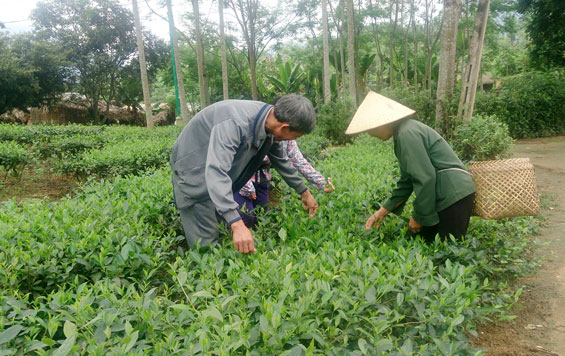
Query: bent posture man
218, 152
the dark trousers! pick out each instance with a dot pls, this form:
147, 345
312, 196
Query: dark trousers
453, 220
247, 205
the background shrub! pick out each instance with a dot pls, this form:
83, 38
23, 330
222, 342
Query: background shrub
313, 146
333, 119
420, 101
531, 104
482, 138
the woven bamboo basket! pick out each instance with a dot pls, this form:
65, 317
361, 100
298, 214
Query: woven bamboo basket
505, 188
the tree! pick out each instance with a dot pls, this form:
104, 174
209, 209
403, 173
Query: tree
32, 72
351, 52
202, 78
326, 75
546, 29
446, 74
142, 67
259, 27
471, 75
225, 90
98, 38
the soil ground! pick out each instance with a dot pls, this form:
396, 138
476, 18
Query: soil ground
539, 328
36, 181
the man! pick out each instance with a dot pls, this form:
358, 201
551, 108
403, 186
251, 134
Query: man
218, 152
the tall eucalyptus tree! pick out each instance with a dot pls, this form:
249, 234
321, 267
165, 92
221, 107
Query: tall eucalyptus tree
351, 52
446, 74
225, 88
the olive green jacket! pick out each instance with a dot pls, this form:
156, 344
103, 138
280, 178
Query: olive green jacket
427, 165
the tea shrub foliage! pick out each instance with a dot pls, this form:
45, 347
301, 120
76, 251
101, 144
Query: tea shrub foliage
107, 272
482, 138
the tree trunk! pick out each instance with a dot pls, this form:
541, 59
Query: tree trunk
472, 69
446, 74
326, 55
178, 69
351, 52
224, 56
415, 79
391, 41
380, 54
202, 78
143, 67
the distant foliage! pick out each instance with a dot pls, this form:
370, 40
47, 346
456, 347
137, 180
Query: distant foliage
483, 138
531, 104
333, 119
312, 146
420, 101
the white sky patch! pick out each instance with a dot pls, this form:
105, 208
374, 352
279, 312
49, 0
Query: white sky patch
15, 15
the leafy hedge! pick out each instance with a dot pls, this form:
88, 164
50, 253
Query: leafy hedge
118, 159
14, 157
104, 273
531, 104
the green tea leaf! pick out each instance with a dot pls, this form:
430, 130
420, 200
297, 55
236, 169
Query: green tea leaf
213, 313
10, 333
65, 347
181, 277
69, 329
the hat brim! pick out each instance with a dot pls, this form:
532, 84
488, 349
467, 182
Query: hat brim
375, 111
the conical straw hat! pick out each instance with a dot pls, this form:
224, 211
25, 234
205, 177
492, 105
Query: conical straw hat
376, 110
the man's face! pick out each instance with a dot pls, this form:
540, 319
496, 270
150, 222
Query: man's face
284, 133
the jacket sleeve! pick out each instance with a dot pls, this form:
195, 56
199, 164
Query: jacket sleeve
423, 176
282, 164
303, 166
400, 195
225, 138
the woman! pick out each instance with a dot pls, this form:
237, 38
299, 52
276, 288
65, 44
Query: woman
255, 193
444, 190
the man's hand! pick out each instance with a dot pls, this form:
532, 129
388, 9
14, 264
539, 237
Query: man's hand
309, 203
414, 226
242, 238
376, 219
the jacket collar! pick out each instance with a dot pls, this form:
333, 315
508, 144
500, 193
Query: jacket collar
259, 133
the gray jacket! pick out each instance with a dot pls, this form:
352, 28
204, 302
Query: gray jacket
214, 149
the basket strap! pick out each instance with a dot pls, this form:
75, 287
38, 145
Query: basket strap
454, 169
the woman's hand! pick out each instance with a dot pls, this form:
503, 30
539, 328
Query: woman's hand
309, 203
376, 219
330, 187
414, 226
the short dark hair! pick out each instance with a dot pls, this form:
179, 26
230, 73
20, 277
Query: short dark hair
297, 111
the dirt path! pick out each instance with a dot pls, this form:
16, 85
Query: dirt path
539, 328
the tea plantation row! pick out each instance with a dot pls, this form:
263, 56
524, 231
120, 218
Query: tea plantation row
105, 272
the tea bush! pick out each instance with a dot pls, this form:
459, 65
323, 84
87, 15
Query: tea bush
481, 138
14, 157
118, 159
531, 104
104, 273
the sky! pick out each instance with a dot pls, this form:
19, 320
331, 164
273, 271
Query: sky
15, 15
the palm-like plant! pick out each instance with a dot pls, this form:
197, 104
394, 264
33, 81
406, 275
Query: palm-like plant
291, 77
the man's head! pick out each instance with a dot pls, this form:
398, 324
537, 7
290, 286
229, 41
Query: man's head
296, 117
